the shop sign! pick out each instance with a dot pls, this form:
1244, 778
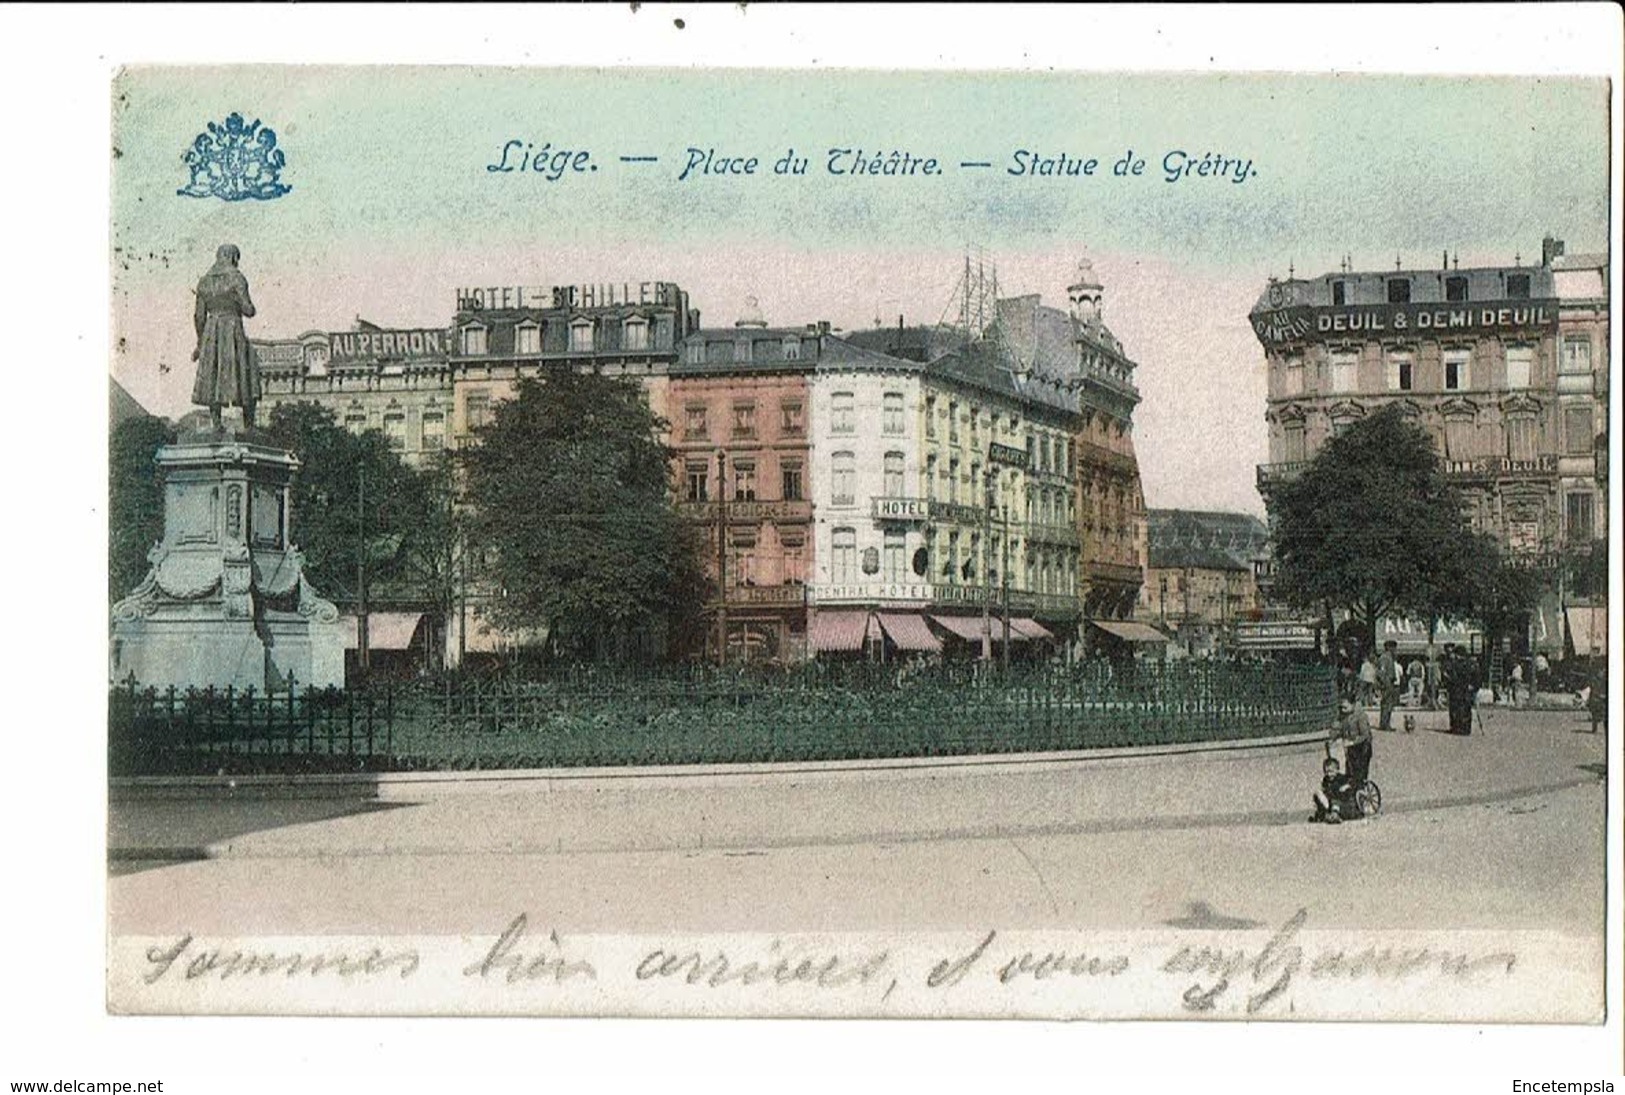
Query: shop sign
367, 345
1403, 320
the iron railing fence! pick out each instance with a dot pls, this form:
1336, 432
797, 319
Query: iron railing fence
598, 717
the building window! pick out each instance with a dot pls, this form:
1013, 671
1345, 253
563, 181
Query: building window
636, 334
581, 336
892, 413
1576, 356
395, 431
841, 418
1523, 437
1455, 289
1401, 370
953, 423
792, 348
950, 560
1520, 363
477, 409
1579, 438
1579, 509
694, 427
931, 477
793, 569
790, 481
698, 474
695, 352
473, 341
1340, 293
791, 420
434, 430
1458, 438
719, 353
356, 421
1457, 364
842, 488
744, 420
1518, 286
894, 564
844, 561
953, 480
1292, 376
1345, 370
1399, 290
744, 481
527, 339
893, 475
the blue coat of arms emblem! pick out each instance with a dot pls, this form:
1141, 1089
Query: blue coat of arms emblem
234, 161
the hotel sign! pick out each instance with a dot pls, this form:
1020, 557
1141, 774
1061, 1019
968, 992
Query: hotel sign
608, 295
919, 510
1403, 320
368, 345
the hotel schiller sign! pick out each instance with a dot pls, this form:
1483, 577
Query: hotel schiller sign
1292, 324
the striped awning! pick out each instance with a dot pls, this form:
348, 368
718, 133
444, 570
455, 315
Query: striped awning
966, 627
1029, 629
836, 631
385, 630
908, 631
1588, 629
1130, 632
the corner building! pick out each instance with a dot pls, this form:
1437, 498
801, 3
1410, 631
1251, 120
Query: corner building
1505, 367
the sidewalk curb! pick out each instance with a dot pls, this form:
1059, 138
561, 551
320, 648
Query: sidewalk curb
390, 785
226, 849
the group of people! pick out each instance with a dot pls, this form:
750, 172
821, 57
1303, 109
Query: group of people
1383, 678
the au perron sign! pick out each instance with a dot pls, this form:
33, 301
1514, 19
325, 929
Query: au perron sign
1292, 324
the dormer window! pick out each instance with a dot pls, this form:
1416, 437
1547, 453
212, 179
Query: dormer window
581, 336
527, 338
1518, 286
474, 340
1455, 289
792, 348
1339, 293
1399, 290
636, 334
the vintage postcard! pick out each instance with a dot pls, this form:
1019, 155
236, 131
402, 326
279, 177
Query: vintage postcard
980, 544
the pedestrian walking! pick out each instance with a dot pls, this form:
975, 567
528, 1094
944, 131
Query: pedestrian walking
1415, 673
1388, 678
1597, 701
1368, 678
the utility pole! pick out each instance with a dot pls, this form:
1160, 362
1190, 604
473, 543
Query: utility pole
1004, 582
363, 655
722, 558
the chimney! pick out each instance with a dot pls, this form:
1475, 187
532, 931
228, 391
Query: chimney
1550, 248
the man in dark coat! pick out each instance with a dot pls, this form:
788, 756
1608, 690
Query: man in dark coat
1388, 678
1457, 675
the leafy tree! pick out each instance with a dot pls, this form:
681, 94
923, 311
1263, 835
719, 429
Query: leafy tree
1373, 527
135, 500
354, 499
570, 509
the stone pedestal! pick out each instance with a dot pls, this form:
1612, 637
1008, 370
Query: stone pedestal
226, 602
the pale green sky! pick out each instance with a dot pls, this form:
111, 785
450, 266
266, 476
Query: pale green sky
392, 208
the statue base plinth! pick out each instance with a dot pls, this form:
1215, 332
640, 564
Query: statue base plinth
226, 603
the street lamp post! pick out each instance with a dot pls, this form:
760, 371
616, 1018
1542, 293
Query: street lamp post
722, 558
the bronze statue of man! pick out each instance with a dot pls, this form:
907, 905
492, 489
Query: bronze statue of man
226, 372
